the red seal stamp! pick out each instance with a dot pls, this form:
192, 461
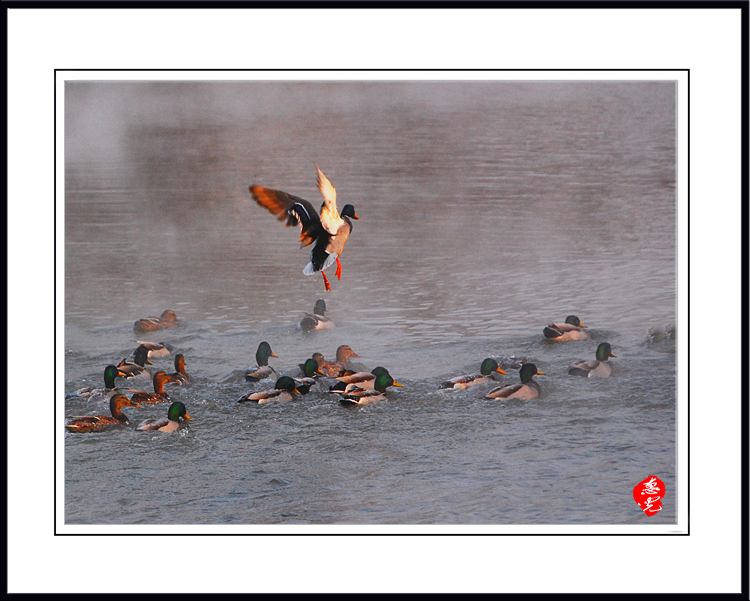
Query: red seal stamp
648, 495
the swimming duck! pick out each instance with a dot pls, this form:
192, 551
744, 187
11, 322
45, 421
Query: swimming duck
600, 368
317, 319
337, 368
96, 423
361, 379
527, 389
262, 370
328, 230
179, 365
169, 423
570, 330
100, 394
137, 368
159, 395
168, 319
310, 371
486, 371
157, 349
283, 391
359, 396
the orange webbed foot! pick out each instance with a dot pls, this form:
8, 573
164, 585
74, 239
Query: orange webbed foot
325, 279
338, 268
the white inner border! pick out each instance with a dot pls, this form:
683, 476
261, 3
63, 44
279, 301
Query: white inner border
42, 40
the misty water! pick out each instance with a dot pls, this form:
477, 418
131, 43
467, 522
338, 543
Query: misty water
487, 210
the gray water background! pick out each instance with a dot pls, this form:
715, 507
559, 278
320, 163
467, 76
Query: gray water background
487, 209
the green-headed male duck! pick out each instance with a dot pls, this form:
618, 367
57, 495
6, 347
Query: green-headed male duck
284, 391
486, 371
359, 396
361, 379
329, 230
137, 369
599, 368
262, 370
169, 423
96, 423
527, 389
100, 394
157, 349
316, 320
310, 371
570, 330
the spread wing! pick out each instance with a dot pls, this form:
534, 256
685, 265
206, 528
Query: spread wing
326, 188
296, 211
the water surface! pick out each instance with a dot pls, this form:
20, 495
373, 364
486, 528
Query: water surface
487, 209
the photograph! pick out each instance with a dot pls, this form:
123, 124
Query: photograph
370, 302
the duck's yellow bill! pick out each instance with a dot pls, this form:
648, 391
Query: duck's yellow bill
187, 416
540, 373
501, 371
274, 355
397, 384
582, 325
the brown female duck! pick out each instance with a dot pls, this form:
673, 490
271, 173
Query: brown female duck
96, 423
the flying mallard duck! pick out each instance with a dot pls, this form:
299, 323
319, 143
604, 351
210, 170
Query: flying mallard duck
360, 396
338, 367
527, 389
262, 370
157, 349
486, 371
168, 319
169, 423
100, 394
329, 230
159, 395
137, 369
283, 391
570, 330
179, 365
96, 423
317, 319
361, 379
600, 368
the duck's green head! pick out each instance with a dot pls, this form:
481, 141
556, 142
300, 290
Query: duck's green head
320, 307
141, 356
286, 383
604, 352
176, 411
383, 381
528, 371
348, 211
263, 353
488, 366
574, 321
379, 371
310, 368
110, 373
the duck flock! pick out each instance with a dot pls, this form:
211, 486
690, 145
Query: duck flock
327, 232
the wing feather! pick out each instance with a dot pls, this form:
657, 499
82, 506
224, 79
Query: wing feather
296, 211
